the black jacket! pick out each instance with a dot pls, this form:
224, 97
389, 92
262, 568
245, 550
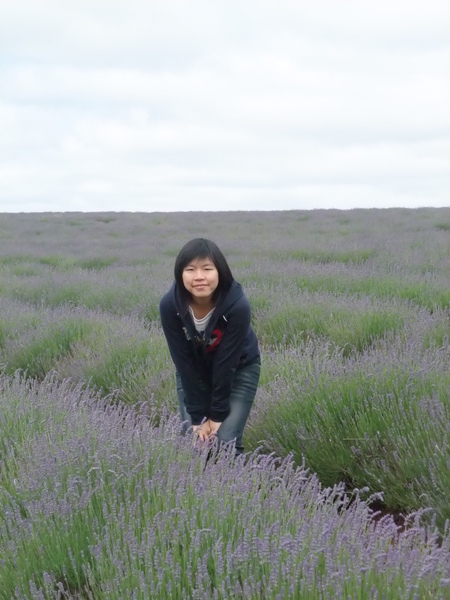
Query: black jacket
229, 343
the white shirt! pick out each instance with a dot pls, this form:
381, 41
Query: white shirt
201, 324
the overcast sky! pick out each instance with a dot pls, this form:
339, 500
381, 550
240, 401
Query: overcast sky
223, 105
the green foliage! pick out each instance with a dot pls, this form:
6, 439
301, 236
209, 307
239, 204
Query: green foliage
328, 256
24, 270
438, 336
105, 219
116, 301
443, 226
151, 312
349, 330
49, 294
258, 302
365, 429
14, 259
3, 329
66, 262
75, 222
171, 251
132, 365
95, 263
424, 294
39, 357
58, 261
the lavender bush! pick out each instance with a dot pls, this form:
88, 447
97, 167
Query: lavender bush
381, 418
96, 502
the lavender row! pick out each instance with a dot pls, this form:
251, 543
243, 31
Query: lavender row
380, 418
97, 502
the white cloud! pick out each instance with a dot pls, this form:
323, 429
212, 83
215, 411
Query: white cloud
239, 105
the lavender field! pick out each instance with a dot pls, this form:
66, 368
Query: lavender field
344, 491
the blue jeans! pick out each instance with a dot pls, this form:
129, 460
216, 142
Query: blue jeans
243, 392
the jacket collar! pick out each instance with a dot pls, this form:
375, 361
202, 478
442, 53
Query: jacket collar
223, 304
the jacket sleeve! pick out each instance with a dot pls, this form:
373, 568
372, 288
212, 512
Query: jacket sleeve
227, 358
182, 353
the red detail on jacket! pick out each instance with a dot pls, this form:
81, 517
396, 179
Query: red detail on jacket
214, 340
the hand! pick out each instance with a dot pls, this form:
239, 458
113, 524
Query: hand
207, 430
214, 427
201, 431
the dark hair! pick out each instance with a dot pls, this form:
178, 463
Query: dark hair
201, 248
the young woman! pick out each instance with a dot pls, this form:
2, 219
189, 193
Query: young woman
206, 320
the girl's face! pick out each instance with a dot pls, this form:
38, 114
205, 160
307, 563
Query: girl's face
201, 278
